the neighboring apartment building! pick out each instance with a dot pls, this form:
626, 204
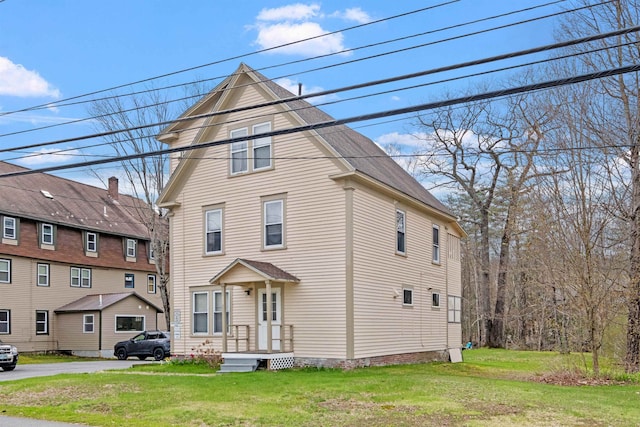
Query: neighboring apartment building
309, 248
76, 272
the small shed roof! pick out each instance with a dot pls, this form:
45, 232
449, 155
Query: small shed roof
98, 302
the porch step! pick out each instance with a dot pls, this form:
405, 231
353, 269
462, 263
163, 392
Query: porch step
239, 365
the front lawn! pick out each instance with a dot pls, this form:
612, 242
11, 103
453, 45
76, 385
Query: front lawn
492, 387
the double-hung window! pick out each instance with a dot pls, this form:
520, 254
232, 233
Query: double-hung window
435, 300
43, 275
213, 232
42, 322
217, 312
407, 296
239, 151
5, 322
88, 323
151, 283
201, 312
131, 248
436, 244
9, 228
5, 271
454, 309
129, 280
80, 277
401, 218
91, 243
273, 224
46, 235
261, 147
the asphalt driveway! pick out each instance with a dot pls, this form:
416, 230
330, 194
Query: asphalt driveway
48, 369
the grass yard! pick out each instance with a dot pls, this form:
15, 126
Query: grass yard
491, 388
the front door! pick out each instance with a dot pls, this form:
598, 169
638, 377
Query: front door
276, 319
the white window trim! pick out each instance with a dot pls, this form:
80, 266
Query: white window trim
5, 235
404, 232
194, 312
44, 234
132, 281
81, 275
410, 290
90, 243
266, 142
115, 325
8, 271
47, 274
207, 231
218, 293
236, 133
85, 323
435, 296
132, 248
45, 322
265, 224
435, 245
149, 282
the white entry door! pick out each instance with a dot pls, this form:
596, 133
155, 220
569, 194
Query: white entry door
276, 319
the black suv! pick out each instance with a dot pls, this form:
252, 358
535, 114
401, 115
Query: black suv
146, 344
8, 356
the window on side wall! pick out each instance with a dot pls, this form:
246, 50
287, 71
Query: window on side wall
436, 244
88, 325
42, 322
9, 228
200, 312
5, 271
131, 248
407, 296
43, 275
151, 283
129, 323
129, 280
47, 234
80, 277
454, 309
435, 299
5, 322
213, 231
217, 312
273, 219
261, 147
91, 242
400, 232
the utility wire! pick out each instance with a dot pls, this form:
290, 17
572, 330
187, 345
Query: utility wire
244, 55
60, 104
344, 88
330, 123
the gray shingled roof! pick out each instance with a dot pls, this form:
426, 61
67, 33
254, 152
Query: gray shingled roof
266, 269
99, 302
73, 204
360, 152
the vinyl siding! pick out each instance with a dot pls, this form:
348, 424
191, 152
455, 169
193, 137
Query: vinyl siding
314, 230
383, 325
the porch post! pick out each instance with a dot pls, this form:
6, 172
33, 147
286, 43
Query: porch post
269, 316
224, 317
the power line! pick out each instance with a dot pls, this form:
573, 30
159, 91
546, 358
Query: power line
482, 61
330, 123
346, 62
244, 55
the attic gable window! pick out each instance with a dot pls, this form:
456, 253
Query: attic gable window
401, 218
258, 149
9, 228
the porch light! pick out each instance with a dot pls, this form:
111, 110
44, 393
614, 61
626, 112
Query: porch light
247, 291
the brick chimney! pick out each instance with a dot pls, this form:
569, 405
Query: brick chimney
113, 188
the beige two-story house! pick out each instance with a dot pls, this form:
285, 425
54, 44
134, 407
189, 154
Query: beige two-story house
306, 248
76, 271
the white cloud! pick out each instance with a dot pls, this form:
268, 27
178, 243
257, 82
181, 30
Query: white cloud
353, 14
292, 12
15, 80
48, 156
401, 139
270, 36
395, 98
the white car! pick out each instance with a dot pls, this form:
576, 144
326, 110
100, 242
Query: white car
8, 356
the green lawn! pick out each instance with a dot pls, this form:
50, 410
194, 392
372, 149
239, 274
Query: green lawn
491, 388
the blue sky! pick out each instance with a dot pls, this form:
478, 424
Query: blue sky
53, 50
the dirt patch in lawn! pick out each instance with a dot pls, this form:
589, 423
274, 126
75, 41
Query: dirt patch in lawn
573, 378
60, 395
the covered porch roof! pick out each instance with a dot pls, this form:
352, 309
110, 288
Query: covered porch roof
246, 271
